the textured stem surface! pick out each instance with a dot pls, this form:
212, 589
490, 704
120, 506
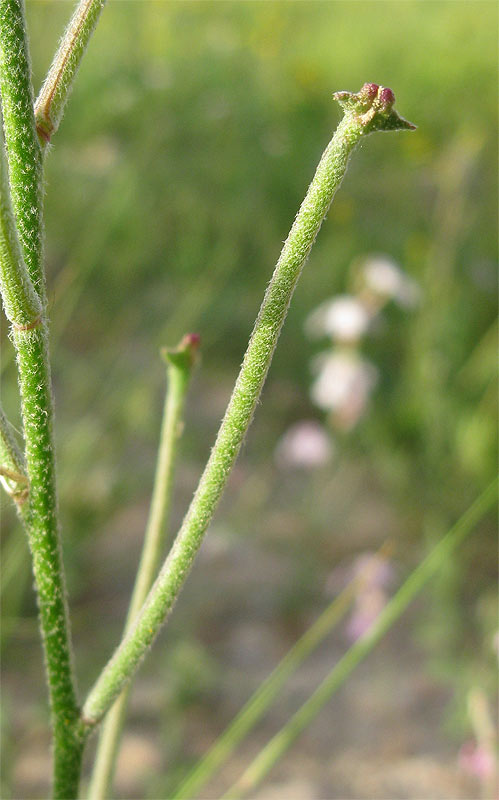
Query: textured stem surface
43, 536
54, 93
179, 367
21, 303
370, 110
24, 308
23, 148
280, 743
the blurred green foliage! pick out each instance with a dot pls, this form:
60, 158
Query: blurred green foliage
188, 143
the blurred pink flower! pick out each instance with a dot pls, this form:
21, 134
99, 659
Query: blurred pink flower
305, 445
476, 761
373, 573
369, 603
375, 570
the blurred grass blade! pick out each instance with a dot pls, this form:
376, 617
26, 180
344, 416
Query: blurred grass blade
265, 695
283, 740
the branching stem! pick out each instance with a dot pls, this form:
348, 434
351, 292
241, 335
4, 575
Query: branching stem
22, 285
369, 110
51, 101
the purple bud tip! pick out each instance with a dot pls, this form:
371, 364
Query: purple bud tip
370, 90
386, 99
192, 341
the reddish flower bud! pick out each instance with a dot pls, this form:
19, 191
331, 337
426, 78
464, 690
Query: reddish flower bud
373, 108
386, 99
369, 91
191, 340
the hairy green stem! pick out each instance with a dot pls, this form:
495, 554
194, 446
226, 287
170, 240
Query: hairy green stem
22, 305
179, 368
23, 308
23, 148
43, 536
280, 743
51, 101
371, 109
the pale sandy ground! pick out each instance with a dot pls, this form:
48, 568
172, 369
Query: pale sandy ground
380, 738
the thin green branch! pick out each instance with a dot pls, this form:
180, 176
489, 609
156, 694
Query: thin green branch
179, 369
50, 103
23, 148
371, 109
12, 470
440, 554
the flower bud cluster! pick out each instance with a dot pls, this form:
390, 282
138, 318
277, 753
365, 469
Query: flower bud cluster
373, 108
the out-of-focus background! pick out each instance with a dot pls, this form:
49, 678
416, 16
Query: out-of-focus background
188, 143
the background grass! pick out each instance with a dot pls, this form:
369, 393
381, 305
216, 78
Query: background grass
187, 146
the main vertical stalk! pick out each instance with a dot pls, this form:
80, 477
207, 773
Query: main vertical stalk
24, 154
43, 536
23, 292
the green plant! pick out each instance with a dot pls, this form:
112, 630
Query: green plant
30, 479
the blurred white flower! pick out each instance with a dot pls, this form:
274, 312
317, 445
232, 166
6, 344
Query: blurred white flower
384, 278
304, 445
344, 318
343, 386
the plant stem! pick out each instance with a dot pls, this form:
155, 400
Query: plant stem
12, 471
43, 537
44, 541
22, 305
50, 103
23, 148
280, 743
179, 368
371, 109
29, 334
